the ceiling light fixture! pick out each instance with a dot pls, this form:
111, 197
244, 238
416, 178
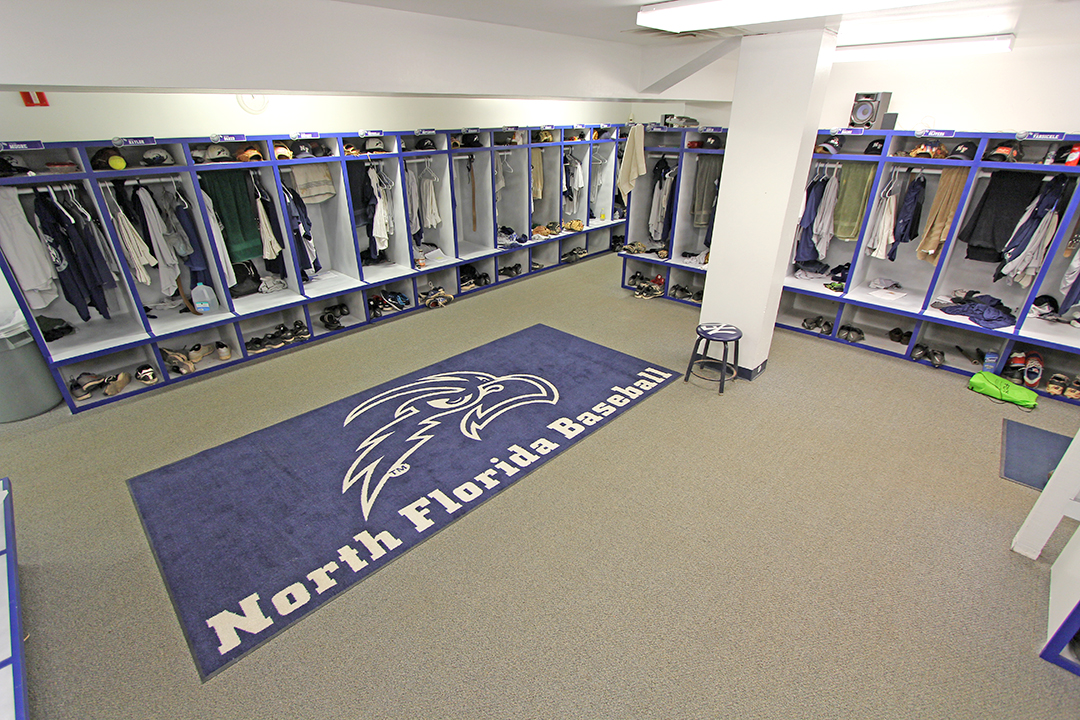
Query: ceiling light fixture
924, 49
686, 15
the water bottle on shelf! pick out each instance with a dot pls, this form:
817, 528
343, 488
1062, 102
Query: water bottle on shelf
204, 299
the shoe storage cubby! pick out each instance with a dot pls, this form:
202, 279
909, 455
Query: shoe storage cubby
512, 265
234, 189
340, 312
483, 272
125, 361
796, 307
685, 281
207, 341
920, 283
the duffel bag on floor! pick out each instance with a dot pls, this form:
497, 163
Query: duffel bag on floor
999, 388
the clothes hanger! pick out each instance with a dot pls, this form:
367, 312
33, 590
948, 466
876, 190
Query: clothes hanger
179, 196
56, 202
427, 172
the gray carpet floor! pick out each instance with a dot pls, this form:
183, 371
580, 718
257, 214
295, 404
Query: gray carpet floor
830, 540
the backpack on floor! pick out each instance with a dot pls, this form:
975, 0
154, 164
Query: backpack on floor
999, 388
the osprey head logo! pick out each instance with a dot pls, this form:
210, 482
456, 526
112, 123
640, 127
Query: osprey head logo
417, 411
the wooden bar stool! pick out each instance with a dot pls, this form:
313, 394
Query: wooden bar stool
721, 333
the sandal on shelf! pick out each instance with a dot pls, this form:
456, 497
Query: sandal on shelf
1033, 370
826, 328
1073, 391
254, 345
919, 352
937, 358
855, 334
842, 333
813, 323
896, 335
1057, 383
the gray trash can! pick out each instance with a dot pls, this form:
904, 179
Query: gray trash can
27, 388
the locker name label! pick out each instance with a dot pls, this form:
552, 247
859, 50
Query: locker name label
712, 129
470, 130
424, 131
26, 145
846, 131
133, 141
228, 138
1040, 136
935, 133
307, 136
370, 133
510, 128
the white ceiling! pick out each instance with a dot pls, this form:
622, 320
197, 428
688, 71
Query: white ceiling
616, 20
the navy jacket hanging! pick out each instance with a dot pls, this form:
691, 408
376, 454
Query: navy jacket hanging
906, 227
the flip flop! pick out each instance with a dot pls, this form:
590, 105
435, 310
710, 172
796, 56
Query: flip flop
919, 352
813, 323
855, 334
937, 358
1073, 391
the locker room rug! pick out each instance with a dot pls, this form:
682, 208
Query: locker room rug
1029, 454
253, 535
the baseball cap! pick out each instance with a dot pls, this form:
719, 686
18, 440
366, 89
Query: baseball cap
302, 150
712, 142
876, 147
472, 140
218, 153
156, 156
108, 158
425, 143
964, 151
198, 154
320, 150
249, 153
1005, 151
374, 144
282, 151
830, 146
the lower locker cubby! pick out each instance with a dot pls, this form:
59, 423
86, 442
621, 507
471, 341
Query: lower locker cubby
265, 333
386, 300
340, 312
1053, 362
476, 275
542, 257
953, 342
685, 286
795, 308
201, 349
875, 327
512, 264
106, 366
433, 282
572, 249
635, 271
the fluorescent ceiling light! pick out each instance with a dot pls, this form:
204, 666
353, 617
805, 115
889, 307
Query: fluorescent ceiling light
923, 49
687, 15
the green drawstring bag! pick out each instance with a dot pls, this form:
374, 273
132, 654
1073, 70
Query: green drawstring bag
999, 388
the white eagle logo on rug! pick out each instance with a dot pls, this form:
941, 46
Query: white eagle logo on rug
477, 397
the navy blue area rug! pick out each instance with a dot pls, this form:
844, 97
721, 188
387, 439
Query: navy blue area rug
1029, 454
253, 535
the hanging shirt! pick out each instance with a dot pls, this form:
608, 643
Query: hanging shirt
880, 236
134, 247
988, 229
232, 199
25, 252
313, 182
412, 198
1024, 253
805, 250
855, 181
381, 222
706, 186
633, 164
168, 264
429, 206
909, 215
942, 211
537, 158
217, 236
823, 223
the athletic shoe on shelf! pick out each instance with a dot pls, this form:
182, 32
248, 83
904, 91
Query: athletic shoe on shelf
77, 391
147, 375
198, 352
301, 331
178, 360
89, 382
224, 352
115, 383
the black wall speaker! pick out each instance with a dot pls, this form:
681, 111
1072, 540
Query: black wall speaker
868, 111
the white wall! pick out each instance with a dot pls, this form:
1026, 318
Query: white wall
312, 46
1026, 89
100, 116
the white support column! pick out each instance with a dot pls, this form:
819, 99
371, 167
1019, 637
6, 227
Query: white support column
776, 109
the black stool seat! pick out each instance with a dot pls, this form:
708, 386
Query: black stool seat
721, 333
